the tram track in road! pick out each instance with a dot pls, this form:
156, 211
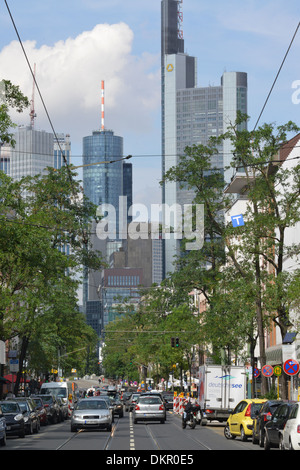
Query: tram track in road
83, 432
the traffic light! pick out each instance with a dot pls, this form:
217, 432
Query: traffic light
177, 342
173, 342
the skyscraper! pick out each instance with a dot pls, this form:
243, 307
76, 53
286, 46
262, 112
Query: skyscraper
190, 115
106, 179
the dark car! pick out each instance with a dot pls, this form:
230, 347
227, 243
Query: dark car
169, 400
125, 398
30, 413
118, 406
63, 408
52, 408
15, 424
132, 401
274, 427
39, 406
264, 415
2, 429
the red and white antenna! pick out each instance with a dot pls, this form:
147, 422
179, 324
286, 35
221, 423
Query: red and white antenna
102, 105
32, 113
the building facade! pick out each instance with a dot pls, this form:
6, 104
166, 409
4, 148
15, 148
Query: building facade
191, 115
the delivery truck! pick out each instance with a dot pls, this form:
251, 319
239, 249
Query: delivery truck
221, 388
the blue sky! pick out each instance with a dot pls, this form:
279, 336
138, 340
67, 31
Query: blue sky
77, 43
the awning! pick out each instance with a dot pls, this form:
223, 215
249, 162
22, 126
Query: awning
12, 378
3, 380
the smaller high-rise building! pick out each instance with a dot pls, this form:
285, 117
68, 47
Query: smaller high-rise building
32, 154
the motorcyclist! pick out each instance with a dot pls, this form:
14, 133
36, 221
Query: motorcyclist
187, 409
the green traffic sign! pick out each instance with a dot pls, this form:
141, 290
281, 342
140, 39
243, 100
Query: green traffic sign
277, 371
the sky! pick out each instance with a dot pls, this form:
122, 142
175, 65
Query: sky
77, 43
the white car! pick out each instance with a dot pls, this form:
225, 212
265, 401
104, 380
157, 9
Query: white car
290, 437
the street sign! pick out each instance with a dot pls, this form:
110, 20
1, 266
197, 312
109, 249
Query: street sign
291, 367
237, 220
14, 365
256, 372
267, 371
277, 371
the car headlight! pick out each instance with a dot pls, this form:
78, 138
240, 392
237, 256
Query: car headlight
18, 417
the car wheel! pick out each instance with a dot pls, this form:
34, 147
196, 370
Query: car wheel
227, 432
266, 442
243, 434
281, 445
3, 441
261, 439
73, 428
290, 445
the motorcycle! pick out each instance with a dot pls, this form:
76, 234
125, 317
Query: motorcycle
189, 417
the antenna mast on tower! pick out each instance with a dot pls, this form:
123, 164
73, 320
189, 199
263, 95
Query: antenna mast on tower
32, 113
102, 105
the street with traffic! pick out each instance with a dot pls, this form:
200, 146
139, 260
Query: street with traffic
151, 424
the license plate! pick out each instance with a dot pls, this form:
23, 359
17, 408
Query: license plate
91, 421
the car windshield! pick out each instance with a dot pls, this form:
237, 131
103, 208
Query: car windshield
37, 401
23, 405
91, 405
149, 401
255, 407
47, 399
10, 407
56, 391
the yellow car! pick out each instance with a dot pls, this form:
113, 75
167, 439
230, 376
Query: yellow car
240, 421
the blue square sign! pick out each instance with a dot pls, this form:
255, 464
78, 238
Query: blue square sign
237, 220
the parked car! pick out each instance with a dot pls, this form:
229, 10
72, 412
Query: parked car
15, 424
275, 427
30, 413
240, 421
290, 436
265, 414
39, 405
169, 400
91, 413
149, 407
2, 428
52, 408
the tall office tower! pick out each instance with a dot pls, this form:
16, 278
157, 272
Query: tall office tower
190, 115
104, 183
32, 154
62, 151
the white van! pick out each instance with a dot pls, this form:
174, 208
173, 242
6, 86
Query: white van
64, 390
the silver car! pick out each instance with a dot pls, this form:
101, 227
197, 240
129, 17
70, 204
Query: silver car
91, 413
149, 407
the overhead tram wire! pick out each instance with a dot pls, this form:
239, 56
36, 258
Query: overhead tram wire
39, 92
277, 75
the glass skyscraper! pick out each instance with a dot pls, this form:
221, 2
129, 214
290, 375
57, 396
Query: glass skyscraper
191, 115
106, 178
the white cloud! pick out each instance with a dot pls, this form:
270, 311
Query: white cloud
69, 75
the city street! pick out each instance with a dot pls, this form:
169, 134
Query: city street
126, 436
